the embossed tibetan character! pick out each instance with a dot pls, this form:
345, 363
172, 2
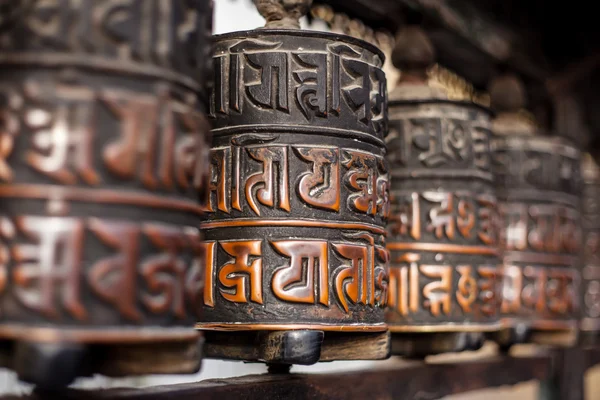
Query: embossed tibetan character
103, 152
298, 199
442, 233
590, 275
539, 184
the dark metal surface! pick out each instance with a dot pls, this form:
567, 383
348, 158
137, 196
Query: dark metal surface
539, 186
590, 274
299, 188
442, 236
103, 130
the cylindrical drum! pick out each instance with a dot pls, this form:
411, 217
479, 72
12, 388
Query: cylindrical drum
443, 238
539, 187
590, 274
102, 141
298, 199
442, 234
538, 182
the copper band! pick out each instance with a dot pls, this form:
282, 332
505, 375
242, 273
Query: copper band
540, 325
445, 248
308, 223
290, 327
553, 325
438, 173
55, 192
99, 336
447, 327
540, 258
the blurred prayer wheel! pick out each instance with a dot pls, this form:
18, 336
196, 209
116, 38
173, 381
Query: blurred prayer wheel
442, 235
296, 259
103, 138
539, 186
590, 274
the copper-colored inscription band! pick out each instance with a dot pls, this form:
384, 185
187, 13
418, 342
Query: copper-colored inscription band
544, 195
308, 130
448, 173
98, 336
445, 248
447, 327
290, 327
308, 223
544, 325
538, 258
59, 193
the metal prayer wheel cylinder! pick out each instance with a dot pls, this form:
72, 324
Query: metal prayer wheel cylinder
294, 234
103, 149
538, 188
590, 274
442, 234
538, 181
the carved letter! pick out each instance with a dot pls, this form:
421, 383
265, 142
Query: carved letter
465, 221
534, 293
351, 280
362, 177
220, 168
235, 274
406, 219
114, 279
209, 254
165, 272
488, 289
321, 187
54, 262
9, 128
265, 180
438, 293
311, 94
441, 218
308, 265
138, 116
512, 287
487, 228
64, 137
271, 89
467, 288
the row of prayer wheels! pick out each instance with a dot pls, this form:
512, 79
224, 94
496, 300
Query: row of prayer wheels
269, 202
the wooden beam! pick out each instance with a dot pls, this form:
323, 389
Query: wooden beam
408, 380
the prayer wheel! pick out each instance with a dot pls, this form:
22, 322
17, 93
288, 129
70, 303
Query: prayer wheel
590, 274
103, 152
298, 196
539, 184
442, 234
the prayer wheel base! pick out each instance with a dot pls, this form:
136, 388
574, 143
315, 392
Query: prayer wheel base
52, 365
564, 338
507, 337
300, 347
588, 339
420, 345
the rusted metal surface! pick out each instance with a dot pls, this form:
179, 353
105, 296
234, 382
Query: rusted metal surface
442, 237
103, 133
590, 274
539, 183
298, 196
